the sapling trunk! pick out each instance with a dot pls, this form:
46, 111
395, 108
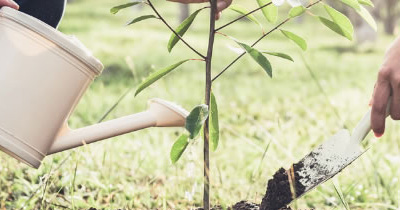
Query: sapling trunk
208, 85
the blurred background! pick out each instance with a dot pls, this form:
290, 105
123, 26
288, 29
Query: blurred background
265, 123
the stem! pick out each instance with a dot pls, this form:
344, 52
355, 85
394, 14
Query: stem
258, 40
173, 31
208, 85
245, 15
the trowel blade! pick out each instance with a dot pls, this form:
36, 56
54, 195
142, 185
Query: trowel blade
327, 160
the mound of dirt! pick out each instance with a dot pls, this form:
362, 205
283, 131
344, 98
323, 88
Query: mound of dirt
280, 188
243, 205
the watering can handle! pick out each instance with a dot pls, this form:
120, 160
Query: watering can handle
364, 126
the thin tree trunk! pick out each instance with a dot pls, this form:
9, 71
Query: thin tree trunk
390, 20
376, 11
206, 195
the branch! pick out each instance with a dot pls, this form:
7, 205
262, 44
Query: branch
173, 31
245, 15
258, 40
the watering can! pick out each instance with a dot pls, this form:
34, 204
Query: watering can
43, 74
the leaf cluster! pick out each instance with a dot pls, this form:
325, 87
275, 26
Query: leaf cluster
335, 21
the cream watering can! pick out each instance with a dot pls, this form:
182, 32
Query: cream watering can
43, 74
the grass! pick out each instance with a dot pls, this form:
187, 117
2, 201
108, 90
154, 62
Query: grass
285, 116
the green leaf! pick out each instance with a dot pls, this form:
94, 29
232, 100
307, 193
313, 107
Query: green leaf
195, 120
366, 2
297, 11
157, 75
258, 57
296, 39
181, 30
138, 19
367, 17
241, 10
278, 54
178, 148
332, 25
270, 12
342, 21
116, 9
214, 125
352, 3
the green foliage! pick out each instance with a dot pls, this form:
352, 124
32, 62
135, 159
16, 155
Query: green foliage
181, 30
297, 11
366, 2
343, 25
352, 3
214, 124
258, 57
178, 148
157, 75
296, 39
116, 9
367, 17
242, 10
270, 12
364, 13
332, 25
196, 119
138, 19
278, 54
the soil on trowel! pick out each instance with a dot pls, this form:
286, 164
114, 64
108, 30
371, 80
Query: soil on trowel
283, 188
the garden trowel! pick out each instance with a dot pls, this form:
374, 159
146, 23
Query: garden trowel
324, 162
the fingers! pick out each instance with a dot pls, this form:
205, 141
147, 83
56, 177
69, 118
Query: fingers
9, 3
223, 4
379, 102
218, 15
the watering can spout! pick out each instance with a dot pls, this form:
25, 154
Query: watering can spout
160, 113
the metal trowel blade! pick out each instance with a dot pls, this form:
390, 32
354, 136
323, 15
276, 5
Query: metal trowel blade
327, 160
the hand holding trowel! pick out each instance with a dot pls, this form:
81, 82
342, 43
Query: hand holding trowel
324, 162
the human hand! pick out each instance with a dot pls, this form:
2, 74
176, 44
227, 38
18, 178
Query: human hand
9, 3
388, 84
221, 4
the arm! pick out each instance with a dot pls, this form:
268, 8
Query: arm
388, 84
9, 3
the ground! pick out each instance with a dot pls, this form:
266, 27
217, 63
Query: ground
291, 112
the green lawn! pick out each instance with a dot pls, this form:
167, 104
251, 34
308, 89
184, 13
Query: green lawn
289, 112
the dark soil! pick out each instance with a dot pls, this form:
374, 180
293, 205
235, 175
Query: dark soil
279, 193
243, 205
